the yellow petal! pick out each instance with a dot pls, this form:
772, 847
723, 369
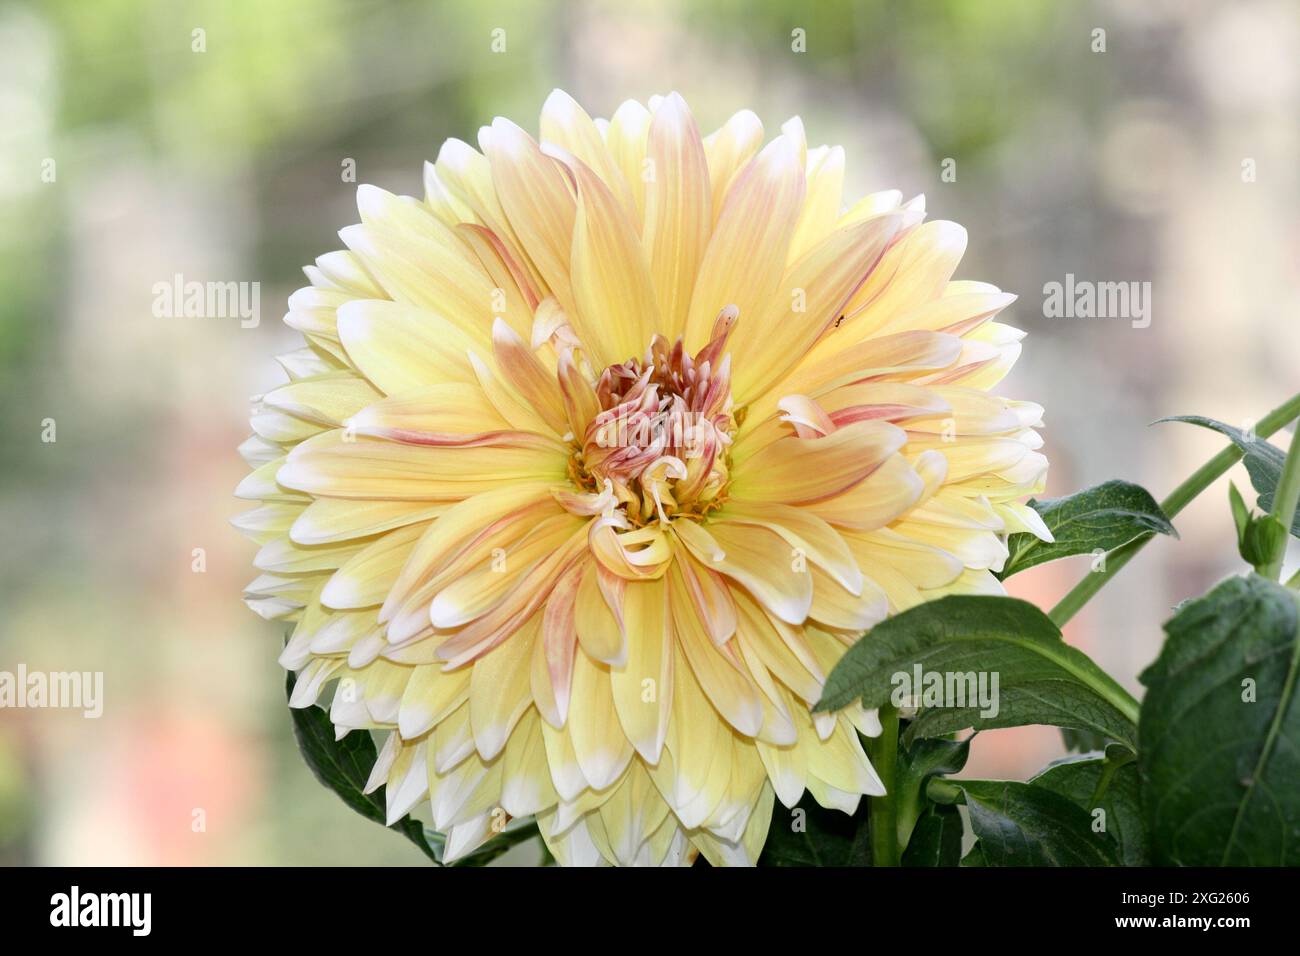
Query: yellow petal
677, 210
614, 296
460, 524
401, 348
452, 413
526, 786
803, 530
327, 399
566, 124
763, 563
499, 690
629, 129
431, 694
364, 580
601, 747
642, 687
720, 676
807, 303
552, 670
599, 632
821, 208
366, 468
729, 150
747, 251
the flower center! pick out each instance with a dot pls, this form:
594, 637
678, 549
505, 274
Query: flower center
665, 425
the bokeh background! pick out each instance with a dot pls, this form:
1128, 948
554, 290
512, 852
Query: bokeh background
225, 165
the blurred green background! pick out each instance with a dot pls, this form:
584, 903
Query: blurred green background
126, 157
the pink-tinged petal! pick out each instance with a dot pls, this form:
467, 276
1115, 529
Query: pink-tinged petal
552, 674
432, 270
711, 594
580, 403
800, 470
721, 677
567, 125
468, 596
821, 208
746, 256
807, 417
535, 197
331, 465
466, 177
453, 413
457, 528
518, 296
507, 617
900, 355
525, 372
914, 272
874, 502
633, 554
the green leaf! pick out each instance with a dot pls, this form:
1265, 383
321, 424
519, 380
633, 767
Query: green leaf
924, 758
343, 765
1093, 782
1220, 730
811, 835
1263, 461
936, 841
1240, 513
1099, 518
1040, 678
1020, 824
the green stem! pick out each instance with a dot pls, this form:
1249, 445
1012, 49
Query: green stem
882, 812
1284, 505
1109, 766
1178, 499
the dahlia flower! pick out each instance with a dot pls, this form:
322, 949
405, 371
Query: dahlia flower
598, 458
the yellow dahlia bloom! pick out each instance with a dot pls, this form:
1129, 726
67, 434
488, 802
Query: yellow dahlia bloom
597, 459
